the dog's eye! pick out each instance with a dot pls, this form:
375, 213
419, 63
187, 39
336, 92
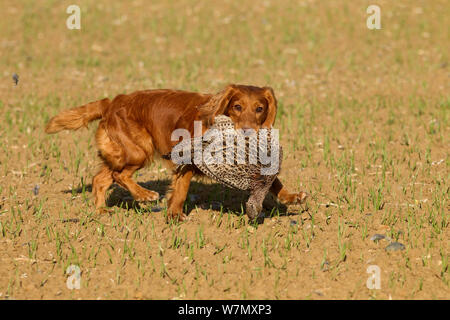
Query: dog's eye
259, 109
237, 107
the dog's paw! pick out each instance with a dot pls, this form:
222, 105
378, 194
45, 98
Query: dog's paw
295, 198
147, 195
176, 217
103, 210
301, 197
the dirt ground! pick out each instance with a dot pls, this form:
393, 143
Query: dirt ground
363, 118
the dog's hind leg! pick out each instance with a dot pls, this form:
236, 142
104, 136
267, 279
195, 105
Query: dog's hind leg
125, 152
124, 179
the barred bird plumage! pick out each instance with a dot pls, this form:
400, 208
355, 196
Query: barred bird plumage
236, 160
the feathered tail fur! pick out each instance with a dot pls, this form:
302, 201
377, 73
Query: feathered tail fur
75, 118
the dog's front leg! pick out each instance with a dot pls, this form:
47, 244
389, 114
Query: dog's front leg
178, 193
284, 196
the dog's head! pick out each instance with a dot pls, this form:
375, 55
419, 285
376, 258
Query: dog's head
249, 107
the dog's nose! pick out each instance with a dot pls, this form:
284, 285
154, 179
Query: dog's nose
247, 131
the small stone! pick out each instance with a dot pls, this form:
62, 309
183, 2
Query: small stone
319, 293
377, 237
36, 190
395, 246
15, 78
156, 209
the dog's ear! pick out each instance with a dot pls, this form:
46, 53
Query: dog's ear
217, 105
272, 107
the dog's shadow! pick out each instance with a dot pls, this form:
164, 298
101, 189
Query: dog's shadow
201, 195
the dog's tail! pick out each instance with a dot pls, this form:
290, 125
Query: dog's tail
75, 118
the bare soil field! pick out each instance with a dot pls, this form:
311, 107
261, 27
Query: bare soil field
364, 123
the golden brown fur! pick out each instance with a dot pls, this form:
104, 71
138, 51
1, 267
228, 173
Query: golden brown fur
133, 127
